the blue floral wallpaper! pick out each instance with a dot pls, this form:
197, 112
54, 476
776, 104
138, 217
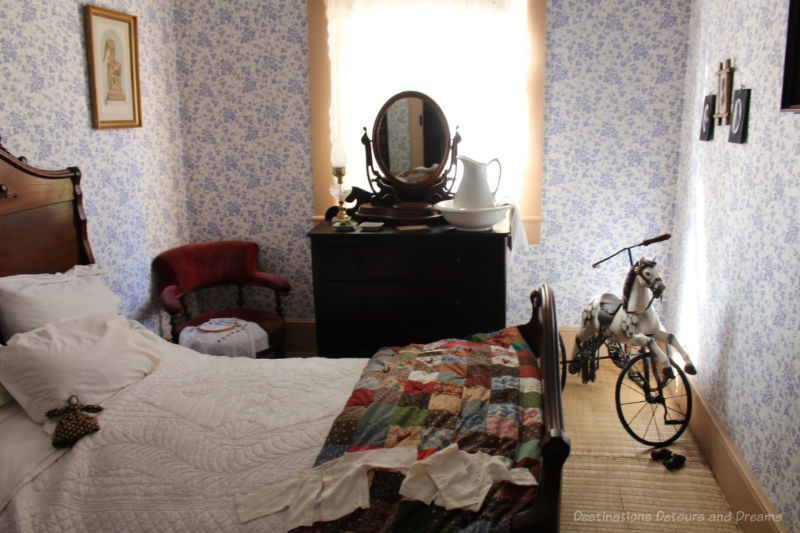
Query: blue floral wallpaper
225, 153
737, 240
245, 117
613, 100
133, 179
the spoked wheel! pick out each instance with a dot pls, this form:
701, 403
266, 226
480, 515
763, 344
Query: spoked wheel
653, 409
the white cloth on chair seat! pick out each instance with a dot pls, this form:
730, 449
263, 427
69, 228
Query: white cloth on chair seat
244, 339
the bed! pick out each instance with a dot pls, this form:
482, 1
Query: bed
191, 442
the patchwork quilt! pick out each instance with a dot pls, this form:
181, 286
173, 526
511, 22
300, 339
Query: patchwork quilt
483, 393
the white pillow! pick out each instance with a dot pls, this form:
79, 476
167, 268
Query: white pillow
91, 357
28, 301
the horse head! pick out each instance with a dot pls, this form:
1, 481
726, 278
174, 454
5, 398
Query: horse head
645, 270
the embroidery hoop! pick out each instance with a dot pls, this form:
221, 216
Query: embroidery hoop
211, 327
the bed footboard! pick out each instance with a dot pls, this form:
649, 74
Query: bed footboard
542, 335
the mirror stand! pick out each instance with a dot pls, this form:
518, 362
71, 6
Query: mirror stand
411, 162
390, 192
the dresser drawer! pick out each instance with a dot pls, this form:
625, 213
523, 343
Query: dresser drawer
393, 288
379, 302
405, 262
350, 341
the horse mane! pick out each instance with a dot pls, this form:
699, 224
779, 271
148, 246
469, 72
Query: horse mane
627, 287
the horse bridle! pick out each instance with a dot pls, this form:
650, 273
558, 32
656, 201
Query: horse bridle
638, 270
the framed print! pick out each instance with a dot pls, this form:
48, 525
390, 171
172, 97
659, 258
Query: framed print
740, 106
707, 119
112, 50
790, 98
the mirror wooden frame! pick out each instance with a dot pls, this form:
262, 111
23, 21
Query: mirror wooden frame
386, 187
377, 135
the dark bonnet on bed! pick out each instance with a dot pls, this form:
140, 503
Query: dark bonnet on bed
42, 222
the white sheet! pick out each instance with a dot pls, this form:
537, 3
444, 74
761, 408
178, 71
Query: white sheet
176, 449
25, 449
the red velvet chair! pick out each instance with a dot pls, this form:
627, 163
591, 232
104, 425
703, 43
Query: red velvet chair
202, 265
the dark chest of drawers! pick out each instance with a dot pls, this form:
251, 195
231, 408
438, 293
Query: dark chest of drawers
392, 288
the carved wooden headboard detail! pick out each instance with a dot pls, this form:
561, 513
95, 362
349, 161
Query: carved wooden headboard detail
42, 222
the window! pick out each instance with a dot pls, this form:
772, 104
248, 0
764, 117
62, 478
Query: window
477, 59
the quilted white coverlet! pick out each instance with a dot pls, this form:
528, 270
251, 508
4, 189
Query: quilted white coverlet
176, 449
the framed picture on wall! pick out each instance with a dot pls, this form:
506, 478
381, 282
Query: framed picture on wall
112, 51
707, 119
740, 106
790, 98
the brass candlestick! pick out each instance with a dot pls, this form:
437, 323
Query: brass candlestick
342, 213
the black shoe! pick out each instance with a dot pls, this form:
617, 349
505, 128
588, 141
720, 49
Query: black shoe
660, 455
675, 462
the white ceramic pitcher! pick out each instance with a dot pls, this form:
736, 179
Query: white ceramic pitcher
474, 192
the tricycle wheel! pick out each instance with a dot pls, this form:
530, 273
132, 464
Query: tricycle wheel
654, 406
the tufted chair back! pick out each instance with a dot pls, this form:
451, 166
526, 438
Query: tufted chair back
202, 265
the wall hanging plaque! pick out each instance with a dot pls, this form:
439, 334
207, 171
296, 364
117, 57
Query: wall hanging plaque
707, 118
740, 107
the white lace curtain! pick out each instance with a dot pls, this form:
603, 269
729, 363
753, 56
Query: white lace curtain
470, 56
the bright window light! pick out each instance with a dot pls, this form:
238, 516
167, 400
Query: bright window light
470, 56
694, 283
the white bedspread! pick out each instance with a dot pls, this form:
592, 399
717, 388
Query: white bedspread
176, 449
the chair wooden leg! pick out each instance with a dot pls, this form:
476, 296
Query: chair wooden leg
273, 352
174, 330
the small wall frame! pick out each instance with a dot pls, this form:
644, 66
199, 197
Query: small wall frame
740, 108
790, 98
707, 118
113, 55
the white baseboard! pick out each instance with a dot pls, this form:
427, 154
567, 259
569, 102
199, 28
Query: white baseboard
744, 493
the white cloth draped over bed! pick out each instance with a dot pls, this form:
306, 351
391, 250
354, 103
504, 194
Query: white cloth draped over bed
177, 448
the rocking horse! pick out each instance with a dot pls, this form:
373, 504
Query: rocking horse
629, 320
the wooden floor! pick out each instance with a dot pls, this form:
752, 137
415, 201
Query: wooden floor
612, 484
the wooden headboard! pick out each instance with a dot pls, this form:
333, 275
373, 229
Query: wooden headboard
42, 222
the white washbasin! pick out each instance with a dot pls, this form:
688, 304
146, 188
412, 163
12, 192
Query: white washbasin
472, 219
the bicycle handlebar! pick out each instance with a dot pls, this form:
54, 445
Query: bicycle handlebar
646, 242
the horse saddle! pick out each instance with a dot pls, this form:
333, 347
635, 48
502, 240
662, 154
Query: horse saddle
609, 305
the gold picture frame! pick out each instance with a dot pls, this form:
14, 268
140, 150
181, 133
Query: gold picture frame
113, 54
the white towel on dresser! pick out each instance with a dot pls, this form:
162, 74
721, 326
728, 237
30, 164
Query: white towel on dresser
519, 239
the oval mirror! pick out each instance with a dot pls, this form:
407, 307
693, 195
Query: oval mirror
411, 140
